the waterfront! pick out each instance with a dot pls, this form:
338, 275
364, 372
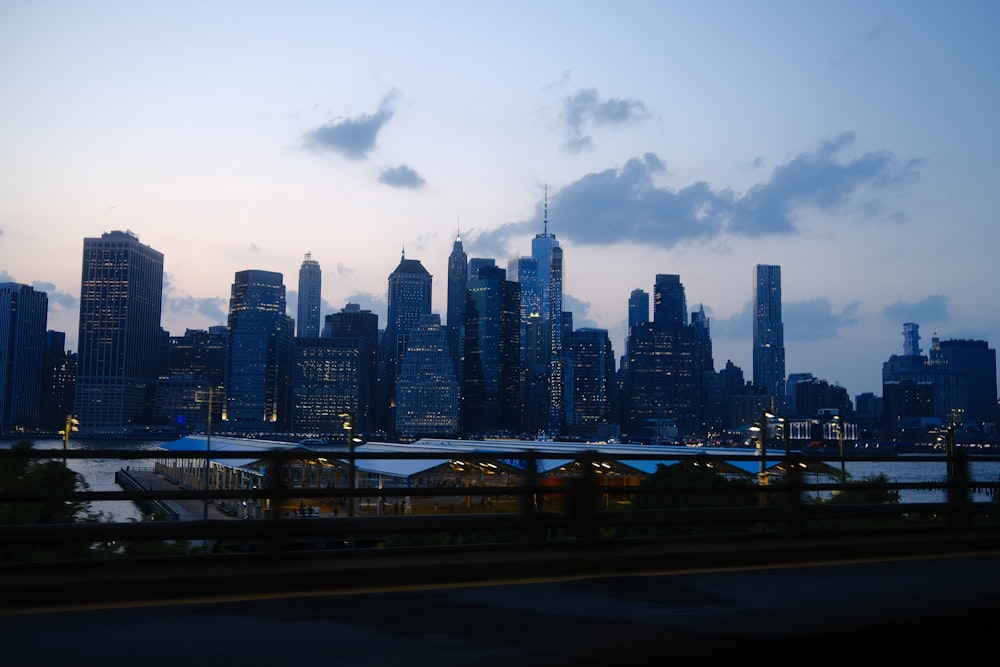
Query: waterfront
99, 473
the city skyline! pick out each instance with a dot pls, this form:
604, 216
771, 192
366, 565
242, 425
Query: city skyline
850, 144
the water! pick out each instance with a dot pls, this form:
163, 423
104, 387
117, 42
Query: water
99, 474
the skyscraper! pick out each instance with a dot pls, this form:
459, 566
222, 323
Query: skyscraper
669, 301
121, 291
490, 397
768, 333
408, 297
426, 389
458, 276
353, 322
258, 363
23, 317
310, 288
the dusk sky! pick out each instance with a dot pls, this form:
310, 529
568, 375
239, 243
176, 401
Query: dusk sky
855, 144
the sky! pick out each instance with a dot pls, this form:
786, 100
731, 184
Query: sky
855, 144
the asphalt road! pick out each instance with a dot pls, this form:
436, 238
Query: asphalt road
905, 609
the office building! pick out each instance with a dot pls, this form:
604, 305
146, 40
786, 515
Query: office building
490, 394
119, 341
23, 318
58, 382
669, 301
768, 334
362, 325
329, 378
310, 298
426, 388
458, 278
258, 363
590, 385
409, 298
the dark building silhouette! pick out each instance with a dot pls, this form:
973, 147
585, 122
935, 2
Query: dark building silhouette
354, 323
195, 367
258, 362
409, 297
458, 279
120, 338
427, 393
310, 298
23, 318
490, 394
768, 333
591, 386
58, 382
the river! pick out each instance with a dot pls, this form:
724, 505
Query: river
99, 474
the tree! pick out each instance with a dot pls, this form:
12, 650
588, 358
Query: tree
23, 474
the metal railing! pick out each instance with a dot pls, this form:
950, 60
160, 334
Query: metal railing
573, 506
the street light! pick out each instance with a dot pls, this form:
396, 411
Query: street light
351, 472
838, 426
199, 397
72, 424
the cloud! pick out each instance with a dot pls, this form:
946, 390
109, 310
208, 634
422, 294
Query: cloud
352, 137
815, 319
625, 205
579, 309
585, 109
63, 300
933, 308
401, 177
215, 309
807, 320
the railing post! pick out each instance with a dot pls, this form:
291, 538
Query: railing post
582, 501
793, 496
530, 501
958, 490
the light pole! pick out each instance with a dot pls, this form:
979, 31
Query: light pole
72, 424
200, 397
351, 472
838, 426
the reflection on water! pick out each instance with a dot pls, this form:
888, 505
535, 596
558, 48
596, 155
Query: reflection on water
99, 474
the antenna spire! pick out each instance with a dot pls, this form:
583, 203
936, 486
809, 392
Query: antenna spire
545, 217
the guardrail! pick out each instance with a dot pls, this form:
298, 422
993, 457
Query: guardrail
576, 506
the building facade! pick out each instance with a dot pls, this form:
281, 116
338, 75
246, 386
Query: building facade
258, 359
119, 341
426, 389
768, 333
310, 298
23, 318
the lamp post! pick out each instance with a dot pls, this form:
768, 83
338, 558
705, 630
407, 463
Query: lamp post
351, 471
838, 426
72, 424
200, 397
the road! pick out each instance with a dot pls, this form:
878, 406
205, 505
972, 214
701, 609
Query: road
899, 609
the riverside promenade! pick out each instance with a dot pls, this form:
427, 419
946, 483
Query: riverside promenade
183, 509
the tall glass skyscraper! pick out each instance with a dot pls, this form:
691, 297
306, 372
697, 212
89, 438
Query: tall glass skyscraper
491, 396
119, 340
768, 333
669, 301
458, 277
23, 317
258, 363
409, 297
426, 389
310, 287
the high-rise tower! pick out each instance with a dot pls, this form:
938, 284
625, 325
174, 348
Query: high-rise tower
669, 302
310, 288
408, 298
258, 363
768, 332
121, 291
458, 276
23, 317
